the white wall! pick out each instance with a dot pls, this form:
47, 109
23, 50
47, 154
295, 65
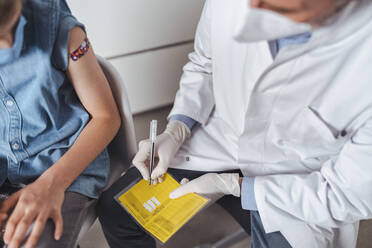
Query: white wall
146, 40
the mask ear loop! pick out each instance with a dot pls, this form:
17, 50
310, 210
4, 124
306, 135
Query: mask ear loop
81, 51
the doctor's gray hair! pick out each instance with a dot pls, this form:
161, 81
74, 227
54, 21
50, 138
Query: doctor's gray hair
8, 9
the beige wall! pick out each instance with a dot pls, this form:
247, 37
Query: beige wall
146, 40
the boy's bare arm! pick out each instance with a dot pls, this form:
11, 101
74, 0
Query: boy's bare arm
42, 200
95, 94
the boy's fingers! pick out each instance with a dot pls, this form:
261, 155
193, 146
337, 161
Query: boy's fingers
58, 222
7, 204
3, 216
12, 223
37, 230
20, 232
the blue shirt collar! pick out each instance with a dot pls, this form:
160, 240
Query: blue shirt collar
10, 54
276, 45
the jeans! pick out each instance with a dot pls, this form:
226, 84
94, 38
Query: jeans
122, 231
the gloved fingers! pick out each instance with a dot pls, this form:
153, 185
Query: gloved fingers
143, 153
184, 181
158, 179
141, 158
143, 143
155, 181
143, 169
184, 189
159, 171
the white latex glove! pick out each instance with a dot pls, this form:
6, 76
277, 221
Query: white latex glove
166, 146
209, 184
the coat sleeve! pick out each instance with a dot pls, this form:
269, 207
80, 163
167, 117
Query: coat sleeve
195, 97
341, 192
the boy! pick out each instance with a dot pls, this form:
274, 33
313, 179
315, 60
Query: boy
57, 115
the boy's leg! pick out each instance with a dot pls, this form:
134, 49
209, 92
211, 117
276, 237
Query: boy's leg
74, 211
118, 226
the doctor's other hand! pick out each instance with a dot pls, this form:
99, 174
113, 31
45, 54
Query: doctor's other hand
211, 184
166, 146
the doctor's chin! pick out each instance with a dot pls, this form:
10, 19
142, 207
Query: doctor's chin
187, 124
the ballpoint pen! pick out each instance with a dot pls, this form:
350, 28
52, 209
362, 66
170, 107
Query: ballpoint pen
153, 130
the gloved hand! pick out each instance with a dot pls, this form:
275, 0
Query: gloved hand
166, 146
210, 184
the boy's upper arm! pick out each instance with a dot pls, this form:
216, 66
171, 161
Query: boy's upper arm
66, 23
88, 79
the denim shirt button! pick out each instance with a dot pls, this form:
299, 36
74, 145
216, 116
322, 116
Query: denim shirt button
15, 146
9, 103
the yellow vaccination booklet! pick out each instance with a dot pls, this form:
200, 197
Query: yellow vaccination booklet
152, 208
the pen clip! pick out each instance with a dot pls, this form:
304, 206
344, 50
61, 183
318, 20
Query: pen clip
153, 130
153, 133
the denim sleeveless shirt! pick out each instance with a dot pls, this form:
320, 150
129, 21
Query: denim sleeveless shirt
40, 113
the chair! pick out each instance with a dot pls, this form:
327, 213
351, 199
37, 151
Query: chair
123, 147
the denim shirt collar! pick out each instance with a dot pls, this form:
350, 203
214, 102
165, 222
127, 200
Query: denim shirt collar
10, 54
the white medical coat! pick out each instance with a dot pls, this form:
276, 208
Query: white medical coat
301, 124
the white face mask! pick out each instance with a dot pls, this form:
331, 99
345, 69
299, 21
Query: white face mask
258, 25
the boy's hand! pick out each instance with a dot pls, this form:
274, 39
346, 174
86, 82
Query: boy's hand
34, 204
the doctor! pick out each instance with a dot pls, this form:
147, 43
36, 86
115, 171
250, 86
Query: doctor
277, 97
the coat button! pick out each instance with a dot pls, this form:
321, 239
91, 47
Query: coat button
15, 146
343, 133
9, 103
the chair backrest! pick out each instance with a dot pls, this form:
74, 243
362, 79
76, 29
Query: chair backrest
123, 147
